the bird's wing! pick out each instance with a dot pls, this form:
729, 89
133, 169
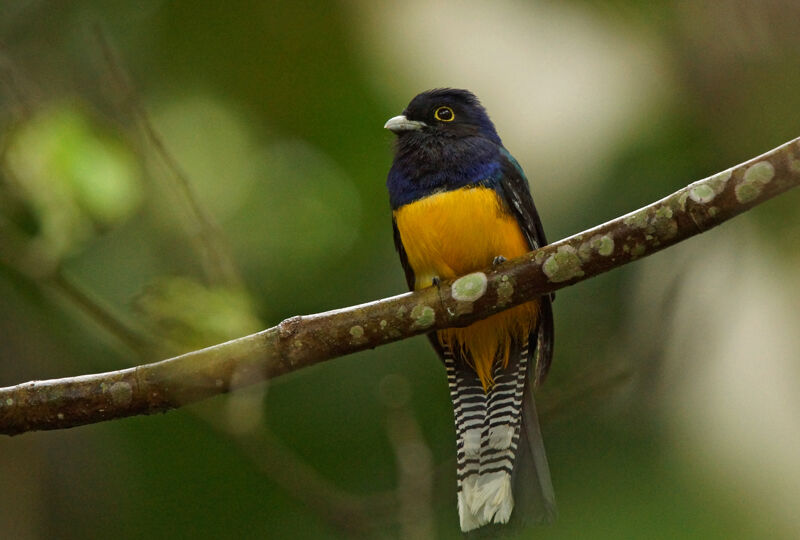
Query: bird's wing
513, 190
516, 194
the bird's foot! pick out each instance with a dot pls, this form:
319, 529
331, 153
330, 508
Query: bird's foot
497, 261
435, 281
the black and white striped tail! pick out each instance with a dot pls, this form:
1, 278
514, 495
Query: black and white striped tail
488, 428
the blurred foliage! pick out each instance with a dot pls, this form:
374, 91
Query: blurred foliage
65, 180
190, 316
274, 111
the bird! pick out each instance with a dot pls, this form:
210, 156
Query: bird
460, 204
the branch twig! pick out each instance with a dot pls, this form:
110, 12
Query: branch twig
215, 255
136, 341
303, 341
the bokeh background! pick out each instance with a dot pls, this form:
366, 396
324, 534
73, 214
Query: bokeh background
227, 171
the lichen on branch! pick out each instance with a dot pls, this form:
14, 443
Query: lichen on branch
302, 341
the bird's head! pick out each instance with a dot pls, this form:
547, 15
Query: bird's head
444, 113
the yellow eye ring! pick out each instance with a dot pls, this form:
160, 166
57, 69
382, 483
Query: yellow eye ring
444, 114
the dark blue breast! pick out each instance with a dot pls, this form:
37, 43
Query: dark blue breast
423, 167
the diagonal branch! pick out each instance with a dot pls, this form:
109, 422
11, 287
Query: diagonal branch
299, 342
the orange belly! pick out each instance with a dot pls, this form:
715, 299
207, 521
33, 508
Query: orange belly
453, 233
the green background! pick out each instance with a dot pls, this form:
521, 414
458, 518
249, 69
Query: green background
671, 409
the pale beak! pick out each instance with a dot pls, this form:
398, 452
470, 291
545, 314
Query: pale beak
398, 124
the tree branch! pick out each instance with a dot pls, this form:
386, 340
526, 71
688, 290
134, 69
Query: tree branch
299, 342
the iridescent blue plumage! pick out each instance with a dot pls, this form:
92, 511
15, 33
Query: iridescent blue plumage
441, 157
408, 181
446, 143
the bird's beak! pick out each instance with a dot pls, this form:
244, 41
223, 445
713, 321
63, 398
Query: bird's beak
398, 124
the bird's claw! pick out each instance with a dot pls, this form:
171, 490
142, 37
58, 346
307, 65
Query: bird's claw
497, 261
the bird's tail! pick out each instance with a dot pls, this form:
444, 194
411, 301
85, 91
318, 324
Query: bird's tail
533, 490
499, 447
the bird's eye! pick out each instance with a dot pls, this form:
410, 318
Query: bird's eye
444, 114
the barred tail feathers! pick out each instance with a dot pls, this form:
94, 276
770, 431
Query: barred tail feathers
488, 429
469, 407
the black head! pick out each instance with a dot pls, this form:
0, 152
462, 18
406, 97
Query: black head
446, 112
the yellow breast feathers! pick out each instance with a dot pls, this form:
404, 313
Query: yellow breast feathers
453, 233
